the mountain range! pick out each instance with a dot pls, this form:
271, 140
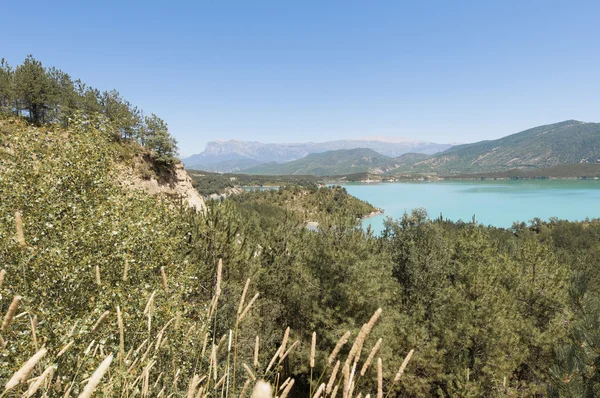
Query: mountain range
234, 155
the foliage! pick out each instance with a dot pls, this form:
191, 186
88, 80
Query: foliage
49, 95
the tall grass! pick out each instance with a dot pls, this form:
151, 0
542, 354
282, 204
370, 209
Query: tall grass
142, 363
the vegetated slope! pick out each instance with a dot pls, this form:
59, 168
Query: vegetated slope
234, 155
568, 142
344, 161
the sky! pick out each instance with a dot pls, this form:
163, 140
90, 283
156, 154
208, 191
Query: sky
298, 71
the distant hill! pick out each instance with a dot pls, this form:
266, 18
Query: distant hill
234, 155
343, 161
568, 142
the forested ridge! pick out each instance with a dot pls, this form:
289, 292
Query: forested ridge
47, 95
95, 277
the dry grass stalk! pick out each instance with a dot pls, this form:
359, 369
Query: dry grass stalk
220, 382
65, 348
149, 305
288, 352
2, 274
346, 376
370, 357
332, 378
121, 333
2, 343
243, 298
125, 270
336, 350
287, 389
10, 313
40, 380
284, 341
100, 321
244, 389
359, 395
248, 307
273, 359
334, 392
204, 343
256, 347
285, 383
34, 322
320, 391
163, 278
19, 227
98, 280
249, 371
262, 389
379, 378
352, 381
192, 386
21, 375
313, 347
215, 301
403, 366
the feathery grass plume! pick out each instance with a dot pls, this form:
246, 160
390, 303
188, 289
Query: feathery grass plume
100, 321
403, 366
220, 382
244, 389
248, 307
287, 389
98, 280
2, 343
229, 343
313, 347
359, 395
379, 378
39, 381
215, 301
262, 389
346, 376
243, 298
352, 381
256, 347
73, 329
21, 375
149, 304
2, 273
285, 383
177, 320
370, 357
288, 352
319, 391
284, 341
163, 278
249, 371
10, 313
334, 392
333, 376
19, 226
273, 359
336, 350
65, 348
121, 333
89, 348
33, 322
125, 269
204, 343
192, 386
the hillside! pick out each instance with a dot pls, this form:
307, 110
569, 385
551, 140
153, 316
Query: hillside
235, 155
343, 161
568, 142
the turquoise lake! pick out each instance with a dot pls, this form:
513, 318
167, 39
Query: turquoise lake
497, 203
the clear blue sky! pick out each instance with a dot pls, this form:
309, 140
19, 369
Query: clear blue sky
292, 71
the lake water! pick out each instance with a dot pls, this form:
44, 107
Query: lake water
497, 203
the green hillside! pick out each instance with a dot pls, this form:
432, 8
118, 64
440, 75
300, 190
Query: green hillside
343, 161
568, 142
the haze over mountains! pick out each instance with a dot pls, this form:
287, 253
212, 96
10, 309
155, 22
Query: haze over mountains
565, 143
234, 155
